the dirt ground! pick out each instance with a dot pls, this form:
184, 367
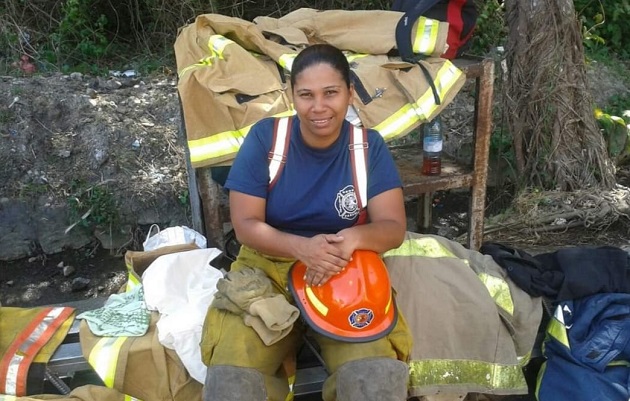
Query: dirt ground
61, 136
41, 280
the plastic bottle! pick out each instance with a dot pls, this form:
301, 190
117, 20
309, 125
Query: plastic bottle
432, 147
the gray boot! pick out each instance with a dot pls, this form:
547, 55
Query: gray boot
372, 379
232, 383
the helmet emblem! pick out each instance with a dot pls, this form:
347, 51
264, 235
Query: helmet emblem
361, 318
346, 203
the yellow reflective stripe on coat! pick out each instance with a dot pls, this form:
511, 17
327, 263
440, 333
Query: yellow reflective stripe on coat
291, 394
524, 360
426, 36
425, 106
499, 291
132, 279
222, 144
204, 62
438, 372
355, 56
541, 374
557, 329
286, 60
619, 363
104, 358
424, 246
130, 398
444, 80
217, 44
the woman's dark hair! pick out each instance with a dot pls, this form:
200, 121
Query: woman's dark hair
321, 54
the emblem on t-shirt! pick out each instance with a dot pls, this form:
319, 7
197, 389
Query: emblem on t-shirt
346, 203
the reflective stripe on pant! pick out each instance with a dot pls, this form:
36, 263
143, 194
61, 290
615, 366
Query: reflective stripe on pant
226, 340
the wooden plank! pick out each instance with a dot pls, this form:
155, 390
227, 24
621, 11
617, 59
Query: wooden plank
482, 132
193, 192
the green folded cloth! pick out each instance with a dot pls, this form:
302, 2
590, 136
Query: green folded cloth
123, 315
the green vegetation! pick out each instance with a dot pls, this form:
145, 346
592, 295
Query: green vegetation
92, 206
184, 200
501, 148
490, 31
93, 36
614, 123
619, 105
6, 116
80, 35
32, 190
605, 25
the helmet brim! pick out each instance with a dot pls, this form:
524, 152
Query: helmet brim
300, 291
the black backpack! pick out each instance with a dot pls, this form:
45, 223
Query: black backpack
461, 16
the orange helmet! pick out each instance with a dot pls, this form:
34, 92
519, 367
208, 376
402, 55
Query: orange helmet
355, 305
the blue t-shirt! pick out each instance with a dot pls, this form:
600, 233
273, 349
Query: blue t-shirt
314, 193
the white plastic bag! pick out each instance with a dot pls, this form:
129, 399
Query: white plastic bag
181, 286
178, 235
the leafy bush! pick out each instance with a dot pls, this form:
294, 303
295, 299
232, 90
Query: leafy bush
605, 23
490, 31
80, 36
91, 34
614, 123
92, 206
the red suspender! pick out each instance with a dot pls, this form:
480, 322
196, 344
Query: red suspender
358, 155
279, 148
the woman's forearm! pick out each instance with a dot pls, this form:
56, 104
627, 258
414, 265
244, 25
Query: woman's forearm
380, 236
268, 240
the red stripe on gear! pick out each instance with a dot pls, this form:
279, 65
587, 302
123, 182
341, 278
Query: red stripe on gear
285, 151
36, 346
363, 215
365, 159
15, 345
456, 26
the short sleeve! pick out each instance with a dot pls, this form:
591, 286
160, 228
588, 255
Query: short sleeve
249, 173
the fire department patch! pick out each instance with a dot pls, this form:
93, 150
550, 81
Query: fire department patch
346, 203
361, 318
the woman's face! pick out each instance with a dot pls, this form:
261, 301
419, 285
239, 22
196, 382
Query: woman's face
321, 98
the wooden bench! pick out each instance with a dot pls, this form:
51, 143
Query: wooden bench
208, 200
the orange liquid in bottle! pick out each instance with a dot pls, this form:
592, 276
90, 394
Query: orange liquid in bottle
431, 165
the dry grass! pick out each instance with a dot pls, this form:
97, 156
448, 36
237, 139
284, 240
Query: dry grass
578, 217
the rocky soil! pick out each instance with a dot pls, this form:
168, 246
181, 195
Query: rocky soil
87, 164
85, 159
